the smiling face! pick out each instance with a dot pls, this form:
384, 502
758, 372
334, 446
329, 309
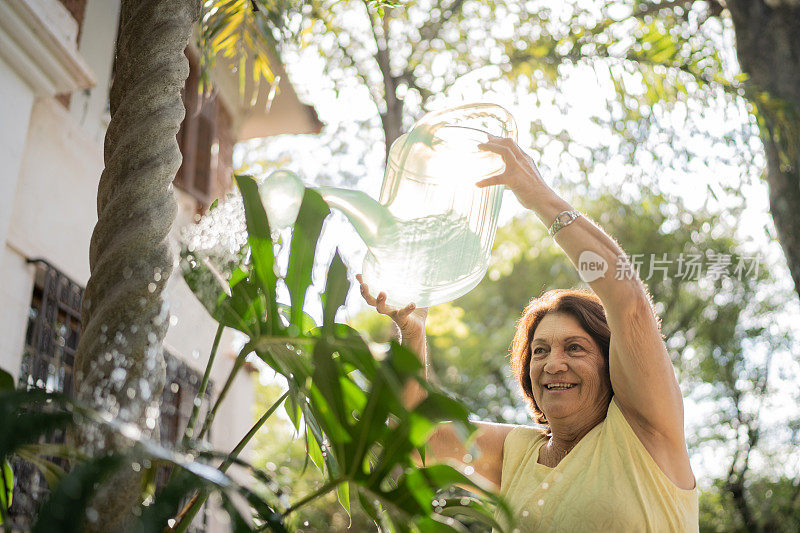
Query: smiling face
569, 375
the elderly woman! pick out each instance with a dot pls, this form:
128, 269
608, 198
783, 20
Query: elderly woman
596, 374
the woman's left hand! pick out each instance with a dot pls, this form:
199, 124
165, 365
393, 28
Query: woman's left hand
520, 174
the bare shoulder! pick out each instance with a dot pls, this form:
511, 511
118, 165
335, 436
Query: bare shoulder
670, 456
490, 437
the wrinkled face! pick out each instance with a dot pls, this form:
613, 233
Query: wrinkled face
568, 373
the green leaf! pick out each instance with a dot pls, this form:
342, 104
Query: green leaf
336, 288
6, 381
372, 421
263, 510
368, 507
315, 429
52, 472
293, 411
235, 302
436, 524
313, 212
326, 398
23, 420
244, 309
7, 488
238, 522
343, 494
475, 510
314, 451
354, 350
281, 358
261, 249
181, 484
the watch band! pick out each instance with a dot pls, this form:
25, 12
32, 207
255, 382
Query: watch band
564, 218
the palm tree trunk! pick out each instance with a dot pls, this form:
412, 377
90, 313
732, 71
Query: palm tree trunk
119, 364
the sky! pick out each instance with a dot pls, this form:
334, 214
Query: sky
358, 160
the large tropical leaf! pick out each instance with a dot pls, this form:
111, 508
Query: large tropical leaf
313, 212
262, 257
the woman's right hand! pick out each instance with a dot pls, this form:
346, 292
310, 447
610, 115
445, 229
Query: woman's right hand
409, 319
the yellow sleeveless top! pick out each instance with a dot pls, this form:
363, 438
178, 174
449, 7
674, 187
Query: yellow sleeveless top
608, 482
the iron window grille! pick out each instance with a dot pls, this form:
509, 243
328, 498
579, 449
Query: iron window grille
51, 339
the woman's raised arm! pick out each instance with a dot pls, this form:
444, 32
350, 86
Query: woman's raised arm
642, 376
444, 444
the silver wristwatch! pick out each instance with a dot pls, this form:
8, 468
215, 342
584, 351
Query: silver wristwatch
564, 218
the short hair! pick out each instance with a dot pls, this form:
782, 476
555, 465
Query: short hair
583, 305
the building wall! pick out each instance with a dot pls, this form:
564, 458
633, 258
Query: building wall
51, 159
16, 102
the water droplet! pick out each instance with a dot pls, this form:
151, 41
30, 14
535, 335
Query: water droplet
196, 354
540, 503
136, 467
467, 458
545, 485
174, 388
469, 470
151, 287
525, 513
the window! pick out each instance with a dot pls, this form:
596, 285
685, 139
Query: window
206, 142
54, 328
205, 139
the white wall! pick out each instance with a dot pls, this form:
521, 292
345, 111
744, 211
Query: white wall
15, 300
16, 101
53, 215
89, 107
54, 204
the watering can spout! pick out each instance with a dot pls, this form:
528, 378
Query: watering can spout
372, 221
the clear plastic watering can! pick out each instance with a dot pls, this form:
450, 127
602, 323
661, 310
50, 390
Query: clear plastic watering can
431, 232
